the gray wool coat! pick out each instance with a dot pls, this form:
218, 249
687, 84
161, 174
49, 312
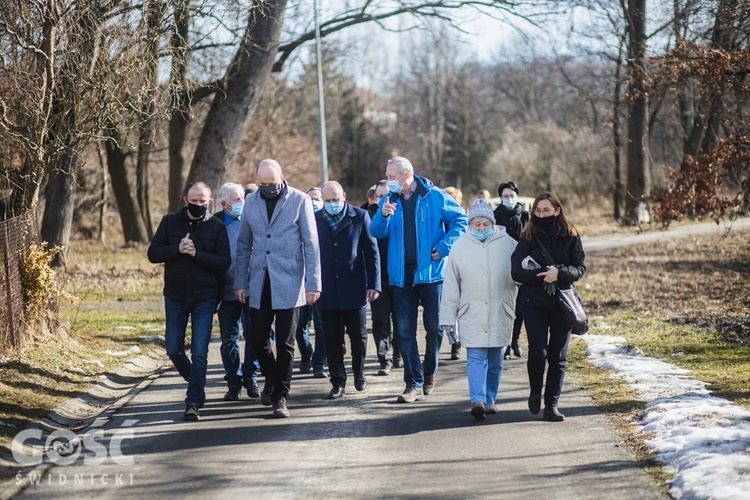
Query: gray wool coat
287, 246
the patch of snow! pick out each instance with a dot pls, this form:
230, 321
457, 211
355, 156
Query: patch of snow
152, 338
701, 439
125, 327
134, 349
94, 362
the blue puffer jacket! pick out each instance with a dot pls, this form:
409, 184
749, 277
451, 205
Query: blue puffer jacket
440, 221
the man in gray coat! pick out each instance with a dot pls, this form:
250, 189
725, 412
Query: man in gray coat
278, 261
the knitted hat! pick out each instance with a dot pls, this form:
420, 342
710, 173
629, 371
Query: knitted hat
480, 208
507, 185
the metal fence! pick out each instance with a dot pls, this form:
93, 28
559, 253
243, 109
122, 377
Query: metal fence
16, 235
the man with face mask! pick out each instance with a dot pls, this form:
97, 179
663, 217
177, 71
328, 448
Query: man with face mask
194, 247
277, 272
421, 222
350, 269
231, 316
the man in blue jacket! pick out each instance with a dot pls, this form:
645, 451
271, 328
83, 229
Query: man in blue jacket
350, 274
194, 248
421, 222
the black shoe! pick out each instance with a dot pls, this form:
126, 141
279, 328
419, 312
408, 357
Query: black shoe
320, 373
455, 352
517, 352
305, 366
506, 356
232, 395
202, 401
265, 395
535, 402
191, 413
336, 393
279, 408
360, 383
478, 410
253, 391
552, 415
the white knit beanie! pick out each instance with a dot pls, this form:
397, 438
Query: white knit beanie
480, 208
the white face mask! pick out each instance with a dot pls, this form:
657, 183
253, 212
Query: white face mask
509, 202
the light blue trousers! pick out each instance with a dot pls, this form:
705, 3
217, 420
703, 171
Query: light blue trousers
483, 367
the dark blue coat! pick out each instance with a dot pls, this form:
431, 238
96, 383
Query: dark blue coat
349, 261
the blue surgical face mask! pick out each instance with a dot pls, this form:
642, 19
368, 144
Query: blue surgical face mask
509, 202
237, 208
395, 186
317, 205
481, 235
334, 207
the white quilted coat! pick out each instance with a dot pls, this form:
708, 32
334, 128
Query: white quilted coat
479, 294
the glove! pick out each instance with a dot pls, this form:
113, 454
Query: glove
452, 333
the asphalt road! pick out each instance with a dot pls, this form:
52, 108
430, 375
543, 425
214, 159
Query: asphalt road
363, 446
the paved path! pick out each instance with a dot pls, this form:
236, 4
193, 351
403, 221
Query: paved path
365, 445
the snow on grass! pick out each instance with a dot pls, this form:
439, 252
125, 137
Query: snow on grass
701, 439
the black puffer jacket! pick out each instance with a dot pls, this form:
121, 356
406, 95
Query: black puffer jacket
514, 220
569, 256
191, 279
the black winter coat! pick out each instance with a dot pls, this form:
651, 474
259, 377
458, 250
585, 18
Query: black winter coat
569, 256
513, 220
191, 279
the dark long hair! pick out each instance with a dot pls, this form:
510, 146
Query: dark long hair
565, 228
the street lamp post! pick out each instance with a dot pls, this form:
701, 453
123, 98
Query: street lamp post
321, 100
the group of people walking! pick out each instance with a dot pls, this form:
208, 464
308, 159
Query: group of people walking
275, 257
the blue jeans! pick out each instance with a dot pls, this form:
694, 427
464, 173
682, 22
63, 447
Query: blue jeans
484, 365
319, 355
193, 370
231, 316
406, 307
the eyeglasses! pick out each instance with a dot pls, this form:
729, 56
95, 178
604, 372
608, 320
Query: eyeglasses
540, 211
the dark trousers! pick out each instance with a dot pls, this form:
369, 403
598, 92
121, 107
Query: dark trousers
384, 330
277, 370
334, 323
517, 324
548, 345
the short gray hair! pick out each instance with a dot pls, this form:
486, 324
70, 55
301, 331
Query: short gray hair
402, 164
228, 188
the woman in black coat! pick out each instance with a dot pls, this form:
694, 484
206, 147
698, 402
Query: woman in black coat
554, 245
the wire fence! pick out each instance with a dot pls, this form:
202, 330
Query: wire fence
16, 236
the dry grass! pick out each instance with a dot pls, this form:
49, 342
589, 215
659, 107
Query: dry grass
120, 302
685, 302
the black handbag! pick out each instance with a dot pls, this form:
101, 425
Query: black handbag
569, 302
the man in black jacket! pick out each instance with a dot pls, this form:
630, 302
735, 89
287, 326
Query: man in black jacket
194, 247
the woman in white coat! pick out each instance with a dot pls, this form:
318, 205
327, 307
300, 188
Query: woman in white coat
478, 302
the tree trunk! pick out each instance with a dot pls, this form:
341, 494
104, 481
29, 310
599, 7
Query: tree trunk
133, 228
59, 196
244, 81
616, 135
180, 119
638, 172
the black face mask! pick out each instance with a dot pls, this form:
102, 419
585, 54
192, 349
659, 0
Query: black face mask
544, 222
197, 211
270, 191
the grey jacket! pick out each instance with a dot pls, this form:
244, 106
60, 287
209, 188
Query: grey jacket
287, 247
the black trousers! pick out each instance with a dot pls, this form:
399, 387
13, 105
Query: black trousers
384, 329
278, 369
334, 324
548, 345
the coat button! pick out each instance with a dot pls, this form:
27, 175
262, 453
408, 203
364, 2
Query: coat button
268, 251
335, 244
268, 236
485, 273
